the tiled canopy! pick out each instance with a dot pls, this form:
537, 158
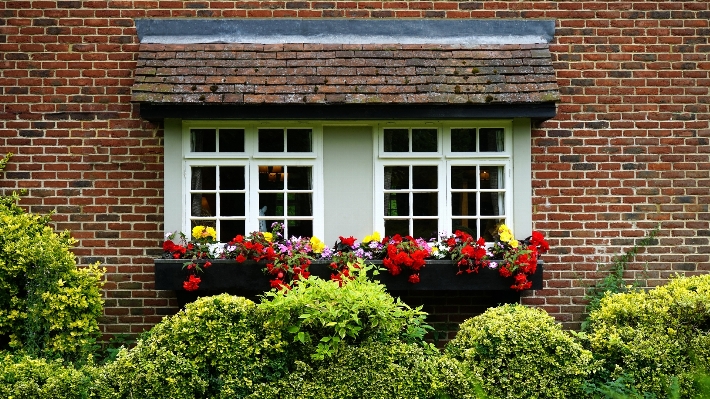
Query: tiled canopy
344, 74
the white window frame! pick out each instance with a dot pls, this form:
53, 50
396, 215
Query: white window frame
444, 159
250, 159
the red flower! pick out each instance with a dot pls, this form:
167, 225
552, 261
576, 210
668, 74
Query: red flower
414, 278
208, 264
238, 239
350, 241
241, 258
192, 283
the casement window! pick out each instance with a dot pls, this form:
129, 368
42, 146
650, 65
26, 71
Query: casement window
444, 178
348, 178
241, 178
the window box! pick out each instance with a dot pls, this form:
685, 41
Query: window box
248, 278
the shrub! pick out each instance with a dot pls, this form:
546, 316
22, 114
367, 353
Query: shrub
375, 370
194, 354
521, 352
22, 376
48, 306
321, 316
654, 338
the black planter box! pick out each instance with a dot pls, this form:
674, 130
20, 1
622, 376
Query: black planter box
248, 278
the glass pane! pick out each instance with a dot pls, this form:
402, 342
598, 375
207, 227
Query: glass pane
424, 140
463, 204
465, 225
425, 204
228, 229
396, 177
271, 177
298, 140
271, 140
299, 204
424, 177
299, 177
491, 177
232, 204
463, 177
400, 227
396, 140
203, 178
300, 228
489, 227
231, 140
203, 140
271, 204
463, 140
396, 204
206, 223
490, 139
492, 204
231, 178
425, 228
203, 205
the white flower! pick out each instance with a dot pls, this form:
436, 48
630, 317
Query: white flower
215, 249
493, 265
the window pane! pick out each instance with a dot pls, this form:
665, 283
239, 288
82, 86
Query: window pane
203, 205
203, 178
492, 204
425, 204
271, 177
393, 227
463, 204
490, 139
492, 177
463, 177
231, 204
396, 140
424, 177
424, 140
425, 228
299, 204
300, 228
271, 140
396, 177
466, 225
298, 140
463, 140
231, 178
203, 140
489, 227
271, 204
299, 177
396, 204
228, 229
231, 140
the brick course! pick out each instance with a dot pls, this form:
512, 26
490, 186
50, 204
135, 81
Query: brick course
628, 149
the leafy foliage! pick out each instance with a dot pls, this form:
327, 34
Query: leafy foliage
654, 339
48, 306
521, 352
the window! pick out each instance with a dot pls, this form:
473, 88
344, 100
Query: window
444, 179
242, 179
348, 178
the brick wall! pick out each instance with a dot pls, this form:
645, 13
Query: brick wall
628, 149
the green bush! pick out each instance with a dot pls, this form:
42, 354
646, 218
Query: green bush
654, 338
24, 377
210, 346
375, 370
521, 352
48, 306
321, 317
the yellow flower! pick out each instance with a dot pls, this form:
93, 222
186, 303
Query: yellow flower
374, 237
317, 245
513, 243
503, 229
505, 236
200, 232
268, 236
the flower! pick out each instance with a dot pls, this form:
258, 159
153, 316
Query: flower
268, 236
373, 237
317, 245
202, 232
192, 283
